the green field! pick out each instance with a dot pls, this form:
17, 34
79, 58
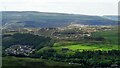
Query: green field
111, 36
110, 43
87, 47
29, 62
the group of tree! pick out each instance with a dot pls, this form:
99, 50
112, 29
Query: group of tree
27, 39
86, 58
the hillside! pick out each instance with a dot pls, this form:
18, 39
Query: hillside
111, 17
45, 19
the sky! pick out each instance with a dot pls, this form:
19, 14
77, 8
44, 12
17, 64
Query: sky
87, 7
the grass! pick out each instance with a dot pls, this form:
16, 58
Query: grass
111, 42
87, 47
30, 62
111, 36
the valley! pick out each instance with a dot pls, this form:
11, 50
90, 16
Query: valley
59, 40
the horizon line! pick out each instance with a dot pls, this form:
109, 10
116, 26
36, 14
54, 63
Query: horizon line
59, 12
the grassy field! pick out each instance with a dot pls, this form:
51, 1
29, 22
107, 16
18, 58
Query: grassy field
29, 62
86, 47
110, 43
111, 36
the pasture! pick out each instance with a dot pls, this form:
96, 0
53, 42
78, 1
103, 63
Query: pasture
71, 46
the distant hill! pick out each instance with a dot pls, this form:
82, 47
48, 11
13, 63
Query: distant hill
111, 17
45, 19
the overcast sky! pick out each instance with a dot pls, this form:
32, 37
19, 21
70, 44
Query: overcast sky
88, 7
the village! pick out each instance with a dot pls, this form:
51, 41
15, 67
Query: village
21, 50
72, 31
